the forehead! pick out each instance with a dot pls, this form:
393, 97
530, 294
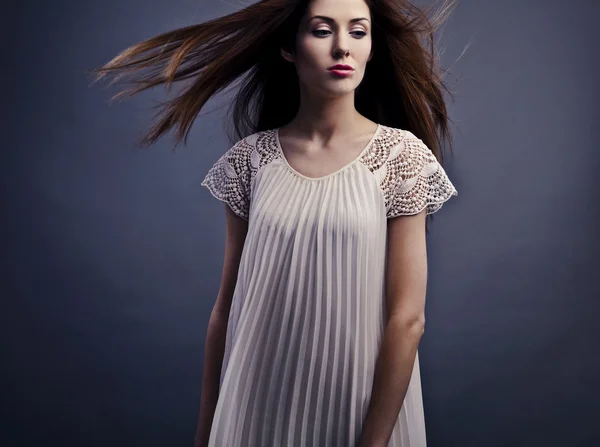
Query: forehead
340, 10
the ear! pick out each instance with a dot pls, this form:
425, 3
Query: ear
287, 55
371, 54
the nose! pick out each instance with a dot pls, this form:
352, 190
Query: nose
341, 47
338, 52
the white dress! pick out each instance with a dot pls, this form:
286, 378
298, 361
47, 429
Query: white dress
308, 311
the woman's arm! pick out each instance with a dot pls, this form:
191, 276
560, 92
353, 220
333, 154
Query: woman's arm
406, 282
235, 235
214, 349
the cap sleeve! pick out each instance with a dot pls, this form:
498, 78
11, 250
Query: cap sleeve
415, 179
229, 178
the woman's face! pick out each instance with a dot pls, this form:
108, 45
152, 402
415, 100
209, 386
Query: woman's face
332, 32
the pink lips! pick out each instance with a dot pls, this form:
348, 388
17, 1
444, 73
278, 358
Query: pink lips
341, 70
341, 67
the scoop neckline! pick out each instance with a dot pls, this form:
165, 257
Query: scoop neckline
323, 177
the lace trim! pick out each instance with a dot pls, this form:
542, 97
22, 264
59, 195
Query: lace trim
227, 179
230, 178
410, 176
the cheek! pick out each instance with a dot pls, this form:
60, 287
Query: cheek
311, 49
362, 50
311, 56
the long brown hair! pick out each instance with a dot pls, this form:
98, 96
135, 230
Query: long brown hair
403, 85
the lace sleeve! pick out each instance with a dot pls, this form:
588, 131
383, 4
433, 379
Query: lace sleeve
415, 180
229, 178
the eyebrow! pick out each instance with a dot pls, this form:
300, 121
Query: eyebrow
330, 20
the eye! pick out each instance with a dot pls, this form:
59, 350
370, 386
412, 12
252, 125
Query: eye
316, 32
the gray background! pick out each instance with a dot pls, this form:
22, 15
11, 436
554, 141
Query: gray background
112, 255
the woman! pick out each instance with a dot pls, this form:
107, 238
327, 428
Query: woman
314, 334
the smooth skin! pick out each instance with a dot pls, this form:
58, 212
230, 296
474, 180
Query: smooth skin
317, 142
327, 133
